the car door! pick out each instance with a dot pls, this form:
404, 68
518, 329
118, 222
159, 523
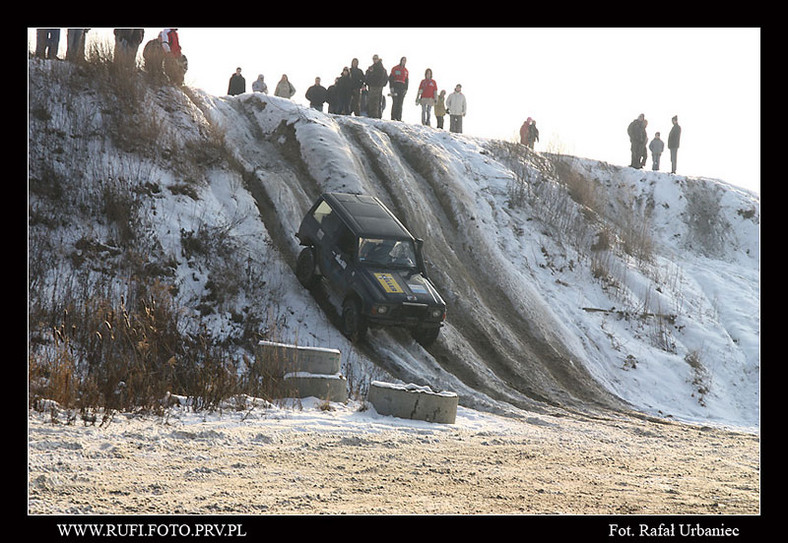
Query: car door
340, 256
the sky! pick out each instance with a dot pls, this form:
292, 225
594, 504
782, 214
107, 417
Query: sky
582, 86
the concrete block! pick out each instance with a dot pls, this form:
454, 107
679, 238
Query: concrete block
295, 371
279, 359
324, 387
413, 402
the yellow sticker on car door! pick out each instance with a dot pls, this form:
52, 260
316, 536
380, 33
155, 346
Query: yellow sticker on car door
390, 284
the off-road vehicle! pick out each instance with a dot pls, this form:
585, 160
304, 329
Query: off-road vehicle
373, 262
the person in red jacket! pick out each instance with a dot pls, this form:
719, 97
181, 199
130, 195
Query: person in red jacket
175, 63
524, 131
428, 92
398, 83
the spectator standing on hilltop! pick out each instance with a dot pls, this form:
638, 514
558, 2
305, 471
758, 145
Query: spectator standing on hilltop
170, 42
164, 52
332, 96
284, 89
356, 83
41, 42
175, 64
376, 78
237, 84
47, 42
637, 140
153, 56
398, 84
258, 85
524, 131
127, 43
456, 108
428, 91
533, 134
316, 94
643, 147
440, 108
673, 142
656, 147
75, 44
344, 92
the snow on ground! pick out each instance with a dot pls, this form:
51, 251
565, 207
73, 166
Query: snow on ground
707, 280
705, 272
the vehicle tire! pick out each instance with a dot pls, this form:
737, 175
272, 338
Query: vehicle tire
305, 268
425, 336
354, 325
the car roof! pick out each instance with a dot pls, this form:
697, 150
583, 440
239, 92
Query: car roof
366, 216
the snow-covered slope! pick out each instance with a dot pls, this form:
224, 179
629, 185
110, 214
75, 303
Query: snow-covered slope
625, 289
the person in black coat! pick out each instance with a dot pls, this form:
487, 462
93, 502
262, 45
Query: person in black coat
332, 97
357, 81
673, 142
377, 77
317, 95
237, 83
637, 140
344, 92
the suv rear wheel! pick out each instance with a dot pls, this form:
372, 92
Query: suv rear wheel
354, 325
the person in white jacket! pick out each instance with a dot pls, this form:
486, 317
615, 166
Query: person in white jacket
456, 108
259, 85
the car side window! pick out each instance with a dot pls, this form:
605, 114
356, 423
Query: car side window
346, 241
322, 211
327, 220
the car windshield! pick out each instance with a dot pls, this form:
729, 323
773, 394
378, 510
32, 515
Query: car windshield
389, 253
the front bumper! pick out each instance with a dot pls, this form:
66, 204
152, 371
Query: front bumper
407, 314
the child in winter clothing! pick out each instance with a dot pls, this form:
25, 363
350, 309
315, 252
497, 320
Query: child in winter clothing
656, 147
440, 108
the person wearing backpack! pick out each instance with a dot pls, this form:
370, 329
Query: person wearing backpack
175, 63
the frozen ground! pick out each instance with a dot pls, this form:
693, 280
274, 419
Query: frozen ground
303, 459
534, 331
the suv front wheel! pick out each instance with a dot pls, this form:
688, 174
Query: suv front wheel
354, 325
425, 336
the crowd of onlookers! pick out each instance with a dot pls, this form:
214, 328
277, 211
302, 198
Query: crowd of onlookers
361, 93
353, 92
638, 139
162, 55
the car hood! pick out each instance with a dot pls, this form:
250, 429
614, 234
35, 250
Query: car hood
402, 286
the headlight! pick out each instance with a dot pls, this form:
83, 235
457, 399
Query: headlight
380, 309
437, 313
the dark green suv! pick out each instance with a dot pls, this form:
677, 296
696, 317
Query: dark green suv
371, 259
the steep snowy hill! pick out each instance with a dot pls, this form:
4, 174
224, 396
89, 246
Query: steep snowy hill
571, 283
